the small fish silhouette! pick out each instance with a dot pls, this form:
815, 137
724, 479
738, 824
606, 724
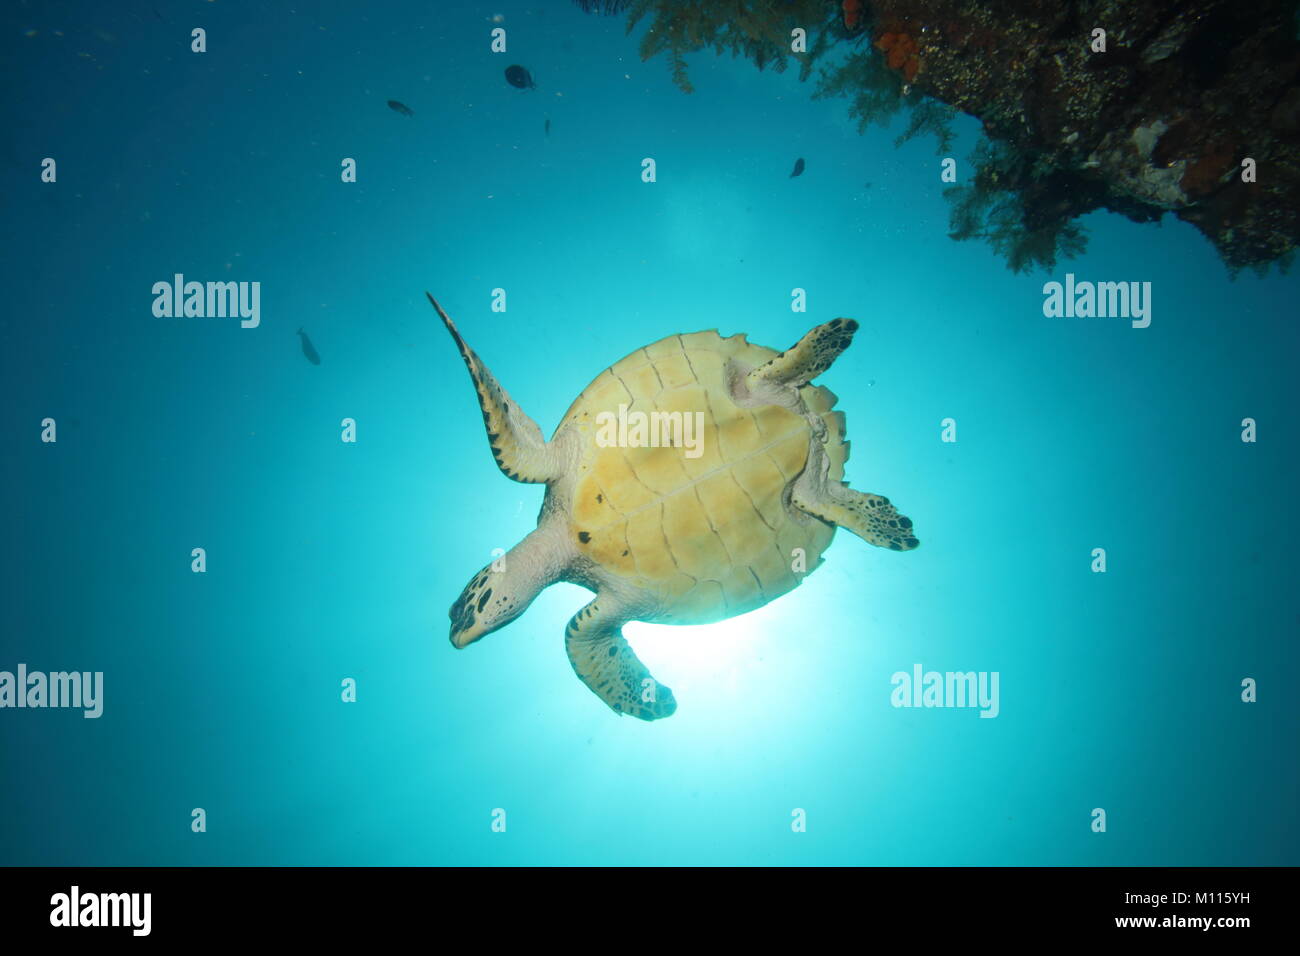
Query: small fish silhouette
548, 126
400, 108
798, 167
520, 78
308, 349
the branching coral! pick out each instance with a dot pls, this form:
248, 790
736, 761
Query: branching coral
757, 29
1028, 222
607, 7
875, 92
933, 118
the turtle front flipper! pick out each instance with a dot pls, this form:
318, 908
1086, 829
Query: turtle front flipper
517, 443
805, 360
602, 657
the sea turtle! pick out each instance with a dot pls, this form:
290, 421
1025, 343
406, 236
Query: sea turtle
696, 479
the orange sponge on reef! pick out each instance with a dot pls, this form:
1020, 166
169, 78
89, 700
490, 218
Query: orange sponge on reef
852, 14
900, 50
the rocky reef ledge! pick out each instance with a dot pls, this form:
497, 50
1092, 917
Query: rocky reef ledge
1188, 107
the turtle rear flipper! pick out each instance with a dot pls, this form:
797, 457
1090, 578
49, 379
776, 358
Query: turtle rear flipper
606, 663
805, 360
871, 517
517, 443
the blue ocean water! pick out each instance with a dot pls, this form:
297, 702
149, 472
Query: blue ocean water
329, 560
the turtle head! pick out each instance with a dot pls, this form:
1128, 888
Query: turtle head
481, 608
502, 591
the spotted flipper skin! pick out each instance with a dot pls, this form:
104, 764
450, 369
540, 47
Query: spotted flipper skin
806, 359
518, 447
606, 663
871, 517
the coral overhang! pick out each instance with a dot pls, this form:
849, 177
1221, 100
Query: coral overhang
1187, 98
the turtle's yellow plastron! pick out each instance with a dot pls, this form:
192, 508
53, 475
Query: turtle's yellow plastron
696, 479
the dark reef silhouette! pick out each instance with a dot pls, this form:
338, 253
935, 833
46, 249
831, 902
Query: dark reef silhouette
1186, 100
